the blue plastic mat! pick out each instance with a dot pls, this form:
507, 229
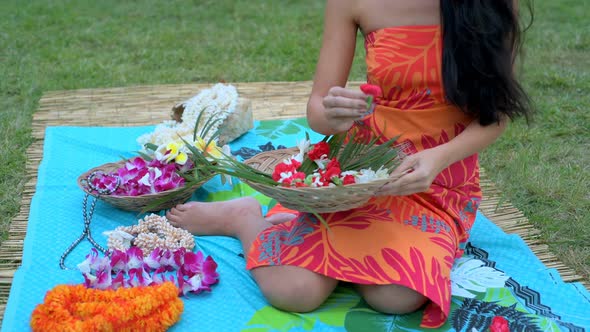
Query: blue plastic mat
530, 296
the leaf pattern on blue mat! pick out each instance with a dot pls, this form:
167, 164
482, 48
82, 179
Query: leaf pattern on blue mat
470, 276
277, 129
362, 318
478, 315
330, 314
247, 153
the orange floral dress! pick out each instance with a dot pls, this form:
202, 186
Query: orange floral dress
405, 240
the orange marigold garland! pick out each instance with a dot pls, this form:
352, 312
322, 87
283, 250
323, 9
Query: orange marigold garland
77, 308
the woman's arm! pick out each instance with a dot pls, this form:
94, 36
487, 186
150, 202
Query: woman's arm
427, 164
331, 108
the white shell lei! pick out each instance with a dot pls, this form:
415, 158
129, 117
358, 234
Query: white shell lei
153, 231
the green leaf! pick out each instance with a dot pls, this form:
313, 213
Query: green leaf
150, 146
279, 128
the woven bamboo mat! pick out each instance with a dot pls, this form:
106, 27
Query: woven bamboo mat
150, 105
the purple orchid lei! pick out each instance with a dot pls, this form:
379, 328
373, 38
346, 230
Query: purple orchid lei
194, 271
141, 177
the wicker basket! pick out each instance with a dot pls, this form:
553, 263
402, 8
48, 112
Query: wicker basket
139, 203
310, 199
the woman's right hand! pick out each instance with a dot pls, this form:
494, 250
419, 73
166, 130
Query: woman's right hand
343, 107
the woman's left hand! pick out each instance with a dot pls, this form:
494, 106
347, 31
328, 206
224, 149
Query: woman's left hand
416, 173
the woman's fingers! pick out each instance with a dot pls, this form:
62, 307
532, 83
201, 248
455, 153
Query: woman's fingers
347, 93
344, 102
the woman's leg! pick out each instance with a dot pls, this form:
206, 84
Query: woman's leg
392, 299
289, 288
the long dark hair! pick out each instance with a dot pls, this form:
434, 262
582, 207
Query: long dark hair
481, 40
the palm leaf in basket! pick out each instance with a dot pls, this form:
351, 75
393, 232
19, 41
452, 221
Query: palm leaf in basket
201, 171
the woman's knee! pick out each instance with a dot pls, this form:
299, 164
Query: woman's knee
392, 299
292, 288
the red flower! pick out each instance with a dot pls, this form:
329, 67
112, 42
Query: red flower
297, 180
370, 89
332, 170
348, 179
283, 168
320, 149
499, 324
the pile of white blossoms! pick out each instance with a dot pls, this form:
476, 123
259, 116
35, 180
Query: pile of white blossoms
216, 102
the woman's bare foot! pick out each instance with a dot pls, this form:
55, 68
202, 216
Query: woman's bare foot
217, 218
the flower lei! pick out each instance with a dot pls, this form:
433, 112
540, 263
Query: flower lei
328, 172
194, 272
141, 177
77, 308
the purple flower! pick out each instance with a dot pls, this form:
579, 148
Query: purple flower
119, 260
135, 258
152, 262
118, 280
103, 279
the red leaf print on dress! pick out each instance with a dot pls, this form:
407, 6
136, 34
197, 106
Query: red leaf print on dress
415, 274
459, 173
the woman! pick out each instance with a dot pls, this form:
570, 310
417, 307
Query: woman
445, 68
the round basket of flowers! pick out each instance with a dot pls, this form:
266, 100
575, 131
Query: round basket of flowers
337, 174
158, 180
143, 185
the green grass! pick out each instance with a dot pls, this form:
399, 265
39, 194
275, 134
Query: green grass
56, 45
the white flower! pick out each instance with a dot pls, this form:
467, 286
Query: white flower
469, 274
322, 162
368, 175
285, 176
303, 146
316, 180
365, 175
381, 173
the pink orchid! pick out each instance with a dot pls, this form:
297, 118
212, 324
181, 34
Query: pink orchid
139, 277
119, 280
119, 260
179, 256
105, 182
159, 276
193, 284
135, 258
92, 262
200, 281
140, 177
152, 261
103, 279
89, 280
167, 261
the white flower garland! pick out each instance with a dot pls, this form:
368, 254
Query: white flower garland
217, 102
